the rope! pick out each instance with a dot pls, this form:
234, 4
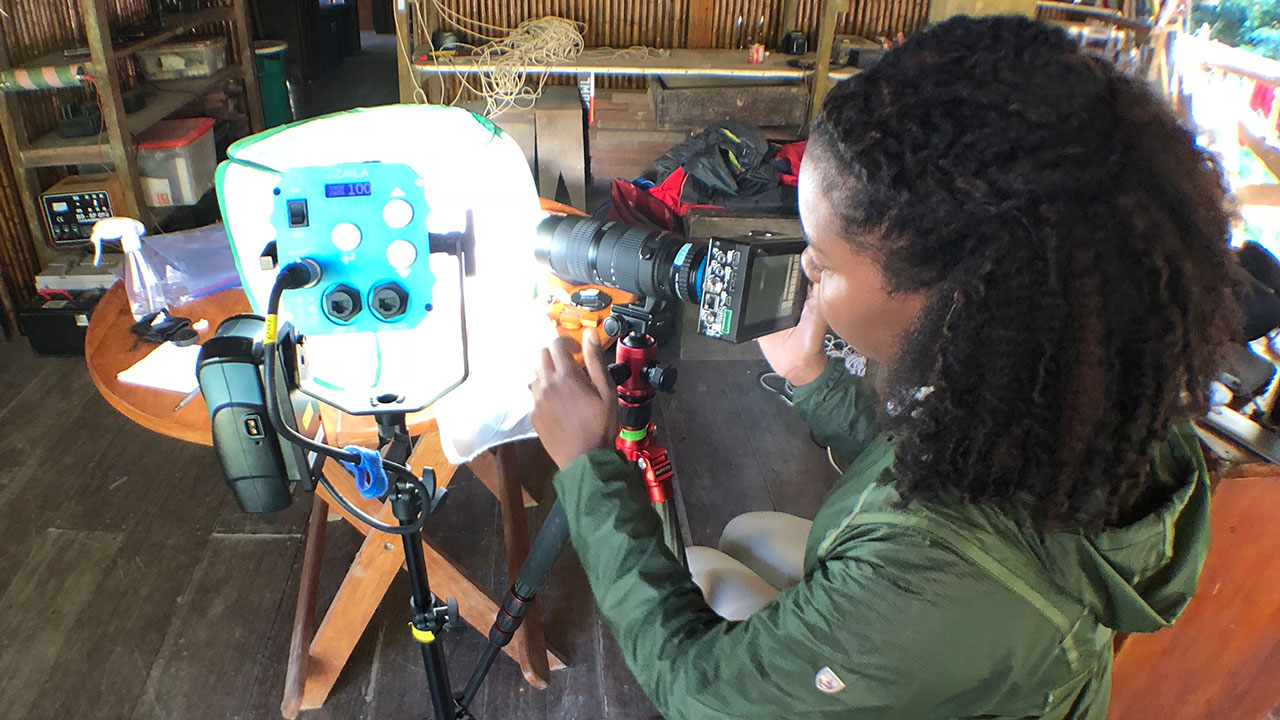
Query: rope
502, 76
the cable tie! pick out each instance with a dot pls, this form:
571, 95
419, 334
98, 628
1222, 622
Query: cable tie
371, 478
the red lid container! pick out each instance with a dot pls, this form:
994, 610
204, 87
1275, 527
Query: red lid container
169, 134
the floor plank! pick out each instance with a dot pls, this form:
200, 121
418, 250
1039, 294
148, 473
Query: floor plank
57, 582
224, 618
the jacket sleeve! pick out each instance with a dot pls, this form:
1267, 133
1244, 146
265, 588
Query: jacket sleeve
851, 615
842, 410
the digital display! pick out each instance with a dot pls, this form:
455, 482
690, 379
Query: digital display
354, 189
773, 284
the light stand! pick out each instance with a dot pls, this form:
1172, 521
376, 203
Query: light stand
428, 616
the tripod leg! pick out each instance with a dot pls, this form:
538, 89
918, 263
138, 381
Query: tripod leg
533, 573
671, 533
425, 626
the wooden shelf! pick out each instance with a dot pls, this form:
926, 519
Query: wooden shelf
179, 24
182, 22
702, 63
165, 99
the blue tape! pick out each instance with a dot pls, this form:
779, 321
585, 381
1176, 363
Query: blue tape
371, 479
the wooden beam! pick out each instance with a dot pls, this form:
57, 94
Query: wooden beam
1216, 56
120, 142
249, 66
10, 312
826, 38
1259, 195
14, 129
295, 678
1269, 156
701, 21
405, 35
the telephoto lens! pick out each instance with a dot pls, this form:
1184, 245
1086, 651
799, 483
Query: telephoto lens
644, 261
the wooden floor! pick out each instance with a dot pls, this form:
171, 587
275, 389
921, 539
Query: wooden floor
131, 586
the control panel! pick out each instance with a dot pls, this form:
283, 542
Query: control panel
723, 274
364, 225
752, 286
72, 206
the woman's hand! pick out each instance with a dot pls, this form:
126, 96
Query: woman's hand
796, 353
574, 412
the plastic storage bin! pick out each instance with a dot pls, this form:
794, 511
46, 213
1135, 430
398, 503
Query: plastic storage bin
196, 59
176, 160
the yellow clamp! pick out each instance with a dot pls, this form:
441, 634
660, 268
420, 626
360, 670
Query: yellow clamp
422, 636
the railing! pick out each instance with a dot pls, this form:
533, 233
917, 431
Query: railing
1223, 79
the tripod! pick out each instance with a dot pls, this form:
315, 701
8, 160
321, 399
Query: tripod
428, 615
639, 377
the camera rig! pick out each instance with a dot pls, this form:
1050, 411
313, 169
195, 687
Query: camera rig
745, 287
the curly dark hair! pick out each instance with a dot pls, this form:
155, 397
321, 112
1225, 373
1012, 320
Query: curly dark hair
1071, 240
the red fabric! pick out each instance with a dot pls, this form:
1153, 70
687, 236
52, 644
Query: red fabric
636, 206
659, 206
1262, 98
668, 191
792, 154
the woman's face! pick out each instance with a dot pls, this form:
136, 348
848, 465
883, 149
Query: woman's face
849, 285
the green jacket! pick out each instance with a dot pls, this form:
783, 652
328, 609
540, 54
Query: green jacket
922, 612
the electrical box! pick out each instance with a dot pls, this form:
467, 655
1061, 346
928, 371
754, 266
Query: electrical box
74, 204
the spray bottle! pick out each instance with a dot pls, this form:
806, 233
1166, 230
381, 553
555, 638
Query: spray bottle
140, 281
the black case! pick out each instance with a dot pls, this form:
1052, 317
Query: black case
57, 327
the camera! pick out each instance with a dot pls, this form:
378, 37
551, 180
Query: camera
745, 287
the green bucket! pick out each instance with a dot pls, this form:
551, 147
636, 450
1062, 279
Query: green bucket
270, 56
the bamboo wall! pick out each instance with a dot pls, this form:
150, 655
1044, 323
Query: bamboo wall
30, 30
665, 23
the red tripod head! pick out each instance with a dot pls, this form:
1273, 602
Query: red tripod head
639, 377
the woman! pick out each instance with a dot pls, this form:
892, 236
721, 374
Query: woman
1033, 251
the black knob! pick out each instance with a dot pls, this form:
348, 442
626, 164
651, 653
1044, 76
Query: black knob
662, 378
619, 373
612, 326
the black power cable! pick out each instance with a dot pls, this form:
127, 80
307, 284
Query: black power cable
297, 275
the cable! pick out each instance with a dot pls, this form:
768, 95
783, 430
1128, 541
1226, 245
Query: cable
501, 66
295, 275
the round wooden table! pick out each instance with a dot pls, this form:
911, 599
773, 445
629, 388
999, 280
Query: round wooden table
110, 347
317, 655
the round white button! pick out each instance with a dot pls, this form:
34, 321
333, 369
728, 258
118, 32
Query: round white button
401, 254
397, 213
345, 236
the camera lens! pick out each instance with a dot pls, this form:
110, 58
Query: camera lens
645, 261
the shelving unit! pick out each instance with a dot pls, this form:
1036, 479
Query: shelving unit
114, 146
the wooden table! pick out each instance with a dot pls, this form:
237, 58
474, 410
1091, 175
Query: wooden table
317, 654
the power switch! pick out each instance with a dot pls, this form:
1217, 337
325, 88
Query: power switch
297, 213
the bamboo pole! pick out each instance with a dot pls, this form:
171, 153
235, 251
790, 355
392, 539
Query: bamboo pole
821, 78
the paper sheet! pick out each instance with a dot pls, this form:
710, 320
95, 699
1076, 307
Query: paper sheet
168, 367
